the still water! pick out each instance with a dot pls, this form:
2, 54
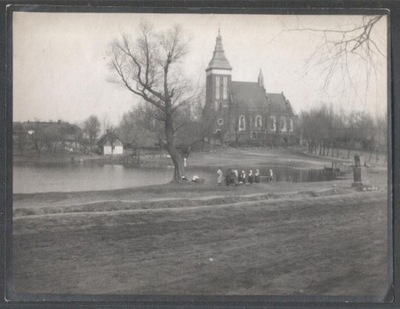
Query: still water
70, 177
78, 176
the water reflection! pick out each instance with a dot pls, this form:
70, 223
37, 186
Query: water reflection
83, 177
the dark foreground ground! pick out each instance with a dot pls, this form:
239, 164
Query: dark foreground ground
269, 239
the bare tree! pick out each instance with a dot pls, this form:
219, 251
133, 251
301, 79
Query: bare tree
346, 51
348, 57
91, 127
149, 68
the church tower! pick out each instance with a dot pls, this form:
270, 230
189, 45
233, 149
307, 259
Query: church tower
218, 79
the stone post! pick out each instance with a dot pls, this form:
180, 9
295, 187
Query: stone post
359, 173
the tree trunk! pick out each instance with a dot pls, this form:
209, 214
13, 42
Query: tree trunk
176, 157
348, 150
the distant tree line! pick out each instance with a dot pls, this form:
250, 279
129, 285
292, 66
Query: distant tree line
326, 132
55, 136
143, 126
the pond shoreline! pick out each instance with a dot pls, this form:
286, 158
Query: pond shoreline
277, 238
289, 165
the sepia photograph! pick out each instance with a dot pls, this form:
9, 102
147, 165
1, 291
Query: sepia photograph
200, 154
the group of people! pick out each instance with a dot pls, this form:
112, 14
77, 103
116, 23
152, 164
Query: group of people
232, 177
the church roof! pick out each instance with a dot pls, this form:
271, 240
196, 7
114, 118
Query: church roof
248, 93
251, 95
219, 60
277, 103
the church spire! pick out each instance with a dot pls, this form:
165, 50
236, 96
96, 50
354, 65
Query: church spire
261, 79
219, 60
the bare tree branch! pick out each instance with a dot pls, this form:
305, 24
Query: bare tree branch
343, 51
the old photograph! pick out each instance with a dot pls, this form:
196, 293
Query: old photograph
200, 154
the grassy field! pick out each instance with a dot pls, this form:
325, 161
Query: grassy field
267, 239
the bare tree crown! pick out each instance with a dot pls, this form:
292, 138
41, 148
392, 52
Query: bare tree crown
148, 66
351, 55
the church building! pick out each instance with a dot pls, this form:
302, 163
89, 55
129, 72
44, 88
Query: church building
244, 112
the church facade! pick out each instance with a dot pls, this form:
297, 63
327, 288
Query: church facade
244, 112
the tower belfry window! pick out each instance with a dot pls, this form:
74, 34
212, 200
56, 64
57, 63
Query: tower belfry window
217, 87
225, 88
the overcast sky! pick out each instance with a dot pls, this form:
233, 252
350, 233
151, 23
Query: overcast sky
60, 61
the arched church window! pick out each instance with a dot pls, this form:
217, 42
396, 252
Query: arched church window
282, 123
225, 88
217, 87
242, 123
218, 135
253, 135
258, 123
273, 123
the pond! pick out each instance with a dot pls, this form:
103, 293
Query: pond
82, 176
79, 176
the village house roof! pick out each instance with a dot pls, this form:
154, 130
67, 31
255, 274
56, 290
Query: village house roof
219, 60
67, 130
108, 138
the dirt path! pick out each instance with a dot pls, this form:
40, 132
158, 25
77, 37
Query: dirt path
327, 245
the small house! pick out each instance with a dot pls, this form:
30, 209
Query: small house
110, 144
